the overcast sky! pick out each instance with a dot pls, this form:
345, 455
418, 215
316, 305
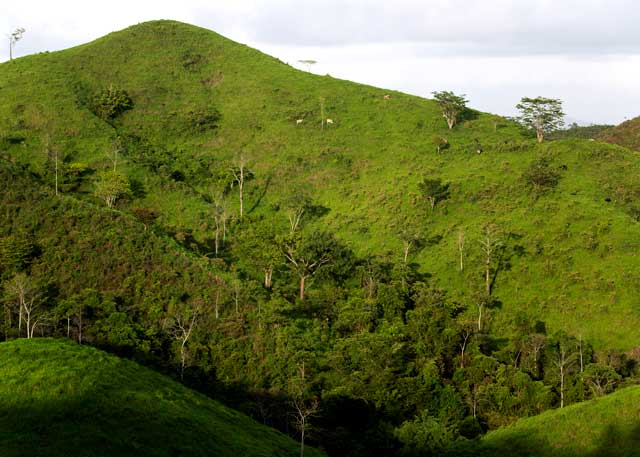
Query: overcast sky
586, 52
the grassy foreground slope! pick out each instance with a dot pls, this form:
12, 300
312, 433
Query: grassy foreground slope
608, 426
570, 259
62, 399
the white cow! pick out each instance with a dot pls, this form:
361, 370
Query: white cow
329, 121
299, 121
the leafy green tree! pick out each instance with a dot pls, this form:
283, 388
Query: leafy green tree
541, 114
540, 175
110, 103
452, 105
440, 142
111, 186
601, 379
434, 191
258, 243
307, 255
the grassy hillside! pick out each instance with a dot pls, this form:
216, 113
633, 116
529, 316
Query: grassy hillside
608, 426
572, 249
626, 134
63, 399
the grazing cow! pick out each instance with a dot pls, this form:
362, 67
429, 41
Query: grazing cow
329, 121
387, 97
299, 121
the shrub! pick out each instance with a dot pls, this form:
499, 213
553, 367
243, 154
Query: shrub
541, 176
110, 103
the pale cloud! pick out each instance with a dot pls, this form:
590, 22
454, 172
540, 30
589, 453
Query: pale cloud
495, 51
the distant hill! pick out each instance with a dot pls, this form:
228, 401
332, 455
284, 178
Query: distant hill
626, 134
62, 399
608, 426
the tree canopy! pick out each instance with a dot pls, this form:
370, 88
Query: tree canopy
452, 105
541, 114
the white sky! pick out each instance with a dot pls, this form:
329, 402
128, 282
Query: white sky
586, 52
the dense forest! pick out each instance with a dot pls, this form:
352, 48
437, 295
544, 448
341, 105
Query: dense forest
376, 302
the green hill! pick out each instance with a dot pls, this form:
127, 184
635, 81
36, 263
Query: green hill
63, 399
200, 100
397, 345
607, 426
626, 134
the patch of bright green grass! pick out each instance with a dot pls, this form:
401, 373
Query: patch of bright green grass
608, 426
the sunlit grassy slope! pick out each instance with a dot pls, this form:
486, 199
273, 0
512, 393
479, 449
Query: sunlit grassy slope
571, 253
608, 426
62, 399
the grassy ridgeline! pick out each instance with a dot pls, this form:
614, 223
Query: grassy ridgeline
62, 399
605, 427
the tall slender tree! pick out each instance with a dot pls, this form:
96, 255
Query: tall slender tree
14, 37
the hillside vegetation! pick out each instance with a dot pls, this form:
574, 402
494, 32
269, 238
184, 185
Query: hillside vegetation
608, 426
387, 285
200, 101
626, 134
62, 399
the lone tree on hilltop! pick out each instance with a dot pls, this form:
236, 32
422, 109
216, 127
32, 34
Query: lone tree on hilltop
14, 37
452, 105
541, 114
308, 63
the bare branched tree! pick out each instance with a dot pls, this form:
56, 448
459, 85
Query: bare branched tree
14, 37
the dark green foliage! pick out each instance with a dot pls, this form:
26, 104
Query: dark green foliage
203, 120
110, 103
541, 175
434, 191
16, 252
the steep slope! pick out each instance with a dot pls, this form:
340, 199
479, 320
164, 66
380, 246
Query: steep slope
608, 426
62, 399
626, 134
569, 258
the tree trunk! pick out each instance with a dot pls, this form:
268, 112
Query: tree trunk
451, 122
241, 187
480, 306
267, 277
562, 386
80, 326
407, 247
302, 280
302, 441
487, 277
56, 173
